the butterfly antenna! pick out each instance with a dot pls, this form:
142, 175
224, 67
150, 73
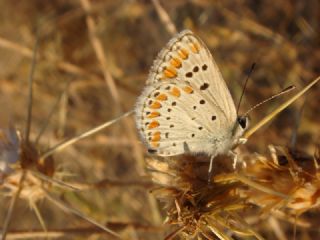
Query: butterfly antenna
245, 86
286, 90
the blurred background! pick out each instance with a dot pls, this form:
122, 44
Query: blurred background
97, 54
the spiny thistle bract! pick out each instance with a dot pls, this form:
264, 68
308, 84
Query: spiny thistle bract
285, 181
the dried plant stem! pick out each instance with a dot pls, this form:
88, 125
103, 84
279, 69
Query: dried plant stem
164, 17
12, 205
274, 223
68, 209
16, 47
98, 48
218, 233
30, 95
39, 216
52, 111
252, 26
260, 187
81, 231
62, 65
112, 183
279, 109
62, 116
73, 140
54, 181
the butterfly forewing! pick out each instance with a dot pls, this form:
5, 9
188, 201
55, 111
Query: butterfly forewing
187, 58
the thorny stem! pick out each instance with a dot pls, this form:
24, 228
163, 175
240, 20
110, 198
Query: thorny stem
12, 205
66, 208
71, 141
30, 97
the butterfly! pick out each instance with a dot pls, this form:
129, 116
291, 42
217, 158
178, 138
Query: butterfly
186, 106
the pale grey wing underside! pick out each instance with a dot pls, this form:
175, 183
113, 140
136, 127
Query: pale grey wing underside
186, 106
173, 118
187, 58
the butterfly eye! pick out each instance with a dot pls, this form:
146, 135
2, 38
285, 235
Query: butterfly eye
242, 121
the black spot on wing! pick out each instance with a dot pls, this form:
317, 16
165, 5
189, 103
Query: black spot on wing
204, 86
152, 151
204, 67
189, 74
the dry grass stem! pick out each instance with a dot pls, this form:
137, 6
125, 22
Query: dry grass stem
165, 18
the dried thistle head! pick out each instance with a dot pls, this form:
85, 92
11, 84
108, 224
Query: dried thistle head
32, 190
292, 173
16, 156
285, 181
199, 209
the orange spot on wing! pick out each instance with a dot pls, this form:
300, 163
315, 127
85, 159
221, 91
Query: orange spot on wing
188, 89
162, 97
153, 115
154, 144
153, 124
175, 92
183, 53
170, 72
175, 62
195, 47
156, 137
155, 105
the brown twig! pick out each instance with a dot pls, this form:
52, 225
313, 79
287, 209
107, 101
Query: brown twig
164, 17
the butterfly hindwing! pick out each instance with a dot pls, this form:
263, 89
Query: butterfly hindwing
172, 116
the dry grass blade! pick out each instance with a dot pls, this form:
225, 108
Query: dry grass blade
175, 233
68, 209
77, 231
16, 47
39, 217
53, 110
73, 140
62, 65
30, 95
165, 18
279, 109
260, 187
86, 5
274, 223
107, 183
54, 181
218, 233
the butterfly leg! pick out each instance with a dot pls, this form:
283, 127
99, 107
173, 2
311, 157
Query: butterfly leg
234, 156
242, 140
210, 170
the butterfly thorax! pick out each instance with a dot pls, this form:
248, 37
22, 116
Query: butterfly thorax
228, 140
